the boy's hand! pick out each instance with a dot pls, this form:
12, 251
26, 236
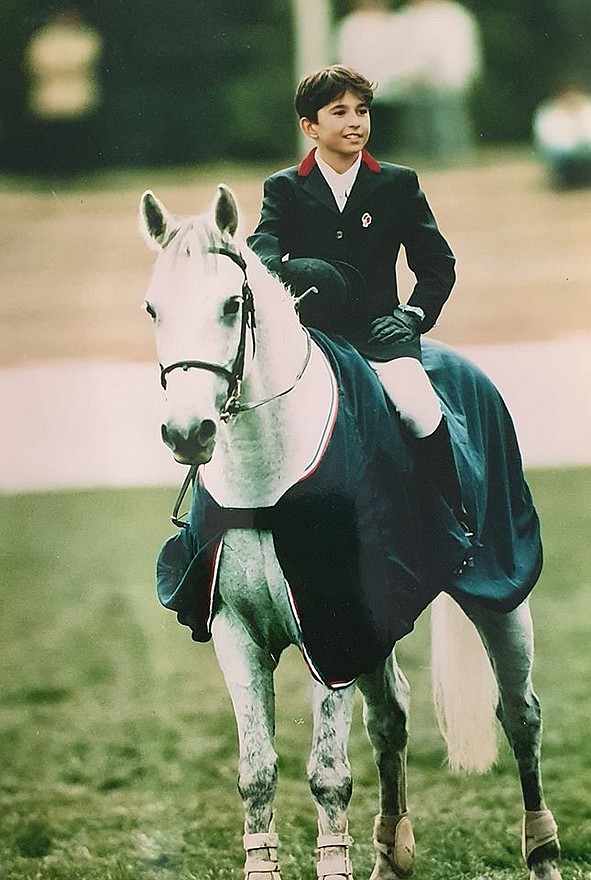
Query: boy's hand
400, 326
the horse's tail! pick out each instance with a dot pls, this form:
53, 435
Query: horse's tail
464, 688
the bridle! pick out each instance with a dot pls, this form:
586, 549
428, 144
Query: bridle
235, 375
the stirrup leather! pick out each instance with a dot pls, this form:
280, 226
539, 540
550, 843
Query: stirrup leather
261, 854
329, 865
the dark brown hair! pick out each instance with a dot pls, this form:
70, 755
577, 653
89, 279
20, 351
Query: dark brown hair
328, 84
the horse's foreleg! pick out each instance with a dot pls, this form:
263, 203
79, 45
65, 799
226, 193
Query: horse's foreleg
248, 673
386, 702
329, 775
509, 641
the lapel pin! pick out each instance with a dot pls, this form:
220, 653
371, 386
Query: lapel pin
366, 220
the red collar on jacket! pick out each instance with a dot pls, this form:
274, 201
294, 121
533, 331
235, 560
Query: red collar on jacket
307, 164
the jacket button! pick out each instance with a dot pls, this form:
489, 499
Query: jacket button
340, 234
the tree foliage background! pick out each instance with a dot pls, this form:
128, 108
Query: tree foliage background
200, 80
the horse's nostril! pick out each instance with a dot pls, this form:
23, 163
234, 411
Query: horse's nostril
186, 441
206, 431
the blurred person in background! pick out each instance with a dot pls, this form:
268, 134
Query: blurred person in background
367, 40
64, 96
441, 61
562, 134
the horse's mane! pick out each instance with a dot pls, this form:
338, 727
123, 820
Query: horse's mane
262, 281
198, 237
195, 235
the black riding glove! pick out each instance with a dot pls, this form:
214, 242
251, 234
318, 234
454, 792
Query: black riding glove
401, 326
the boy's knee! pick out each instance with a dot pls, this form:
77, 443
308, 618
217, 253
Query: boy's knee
410, 390
422, 420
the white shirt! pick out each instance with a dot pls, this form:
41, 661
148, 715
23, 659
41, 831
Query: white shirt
340, 184
441, 45
367, 41
564, 126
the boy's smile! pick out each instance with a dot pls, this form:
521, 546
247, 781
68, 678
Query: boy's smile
341, 132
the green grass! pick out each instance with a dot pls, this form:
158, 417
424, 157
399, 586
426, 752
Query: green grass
117, 742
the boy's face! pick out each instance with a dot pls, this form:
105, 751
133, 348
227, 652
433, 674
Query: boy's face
342, 130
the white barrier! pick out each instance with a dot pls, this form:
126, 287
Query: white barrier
85, 424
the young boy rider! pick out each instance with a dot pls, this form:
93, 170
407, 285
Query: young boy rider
337, 222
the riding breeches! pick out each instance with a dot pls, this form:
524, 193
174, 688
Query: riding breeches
409, 388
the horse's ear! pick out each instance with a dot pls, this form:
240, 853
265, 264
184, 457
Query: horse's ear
155, 221
225, 210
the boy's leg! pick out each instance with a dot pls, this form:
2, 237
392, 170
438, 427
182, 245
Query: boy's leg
410, 390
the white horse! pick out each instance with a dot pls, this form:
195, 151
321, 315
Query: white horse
247, 398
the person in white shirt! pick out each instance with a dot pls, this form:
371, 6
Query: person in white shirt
562, 134
368, 40
440, 62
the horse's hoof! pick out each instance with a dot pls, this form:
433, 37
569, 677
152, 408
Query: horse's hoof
545, 871
394, 843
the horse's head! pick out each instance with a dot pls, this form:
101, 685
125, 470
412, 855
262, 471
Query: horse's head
202, 311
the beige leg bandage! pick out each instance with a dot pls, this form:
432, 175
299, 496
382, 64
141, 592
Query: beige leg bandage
539, 828
261, 855
333, 856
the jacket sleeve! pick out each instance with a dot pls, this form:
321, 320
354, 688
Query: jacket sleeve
428, 255
270, 239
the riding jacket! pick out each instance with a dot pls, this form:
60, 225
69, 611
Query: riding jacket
386, 210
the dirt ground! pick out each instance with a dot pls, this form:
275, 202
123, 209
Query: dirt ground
74, 268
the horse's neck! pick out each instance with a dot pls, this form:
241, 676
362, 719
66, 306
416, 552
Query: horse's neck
264, 451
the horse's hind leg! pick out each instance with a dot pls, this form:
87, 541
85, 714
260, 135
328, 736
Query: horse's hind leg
509, 641
386, 702
248, 673
329, 775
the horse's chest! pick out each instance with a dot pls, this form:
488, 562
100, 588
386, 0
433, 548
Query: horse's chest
253, 588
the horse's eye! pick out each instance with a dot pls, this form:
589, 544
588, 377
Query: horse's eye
231, 307
150, 310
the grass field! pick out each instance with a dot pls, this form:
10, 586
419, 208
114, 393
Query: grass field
118, 749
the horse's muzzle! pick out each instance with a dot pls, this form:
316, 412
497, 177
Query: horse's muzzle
192, 446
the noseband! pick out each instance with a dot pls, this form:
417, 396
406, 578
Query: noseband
235, 375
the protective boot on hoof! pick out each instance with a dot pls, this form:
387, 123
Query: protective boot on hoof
394, 844
540, 846
261, 855
333, 857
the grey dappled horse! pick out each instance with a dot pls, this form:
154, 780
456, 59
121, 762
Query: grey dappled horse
248, 400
